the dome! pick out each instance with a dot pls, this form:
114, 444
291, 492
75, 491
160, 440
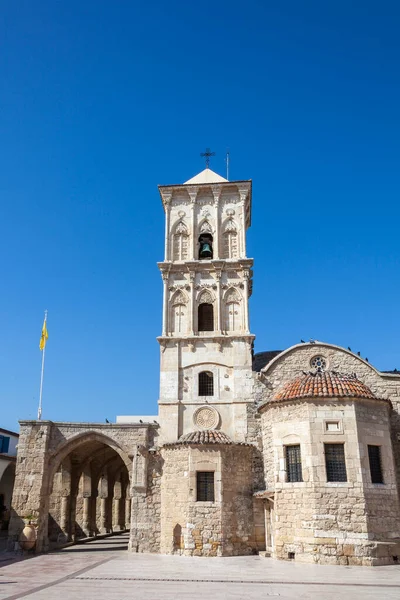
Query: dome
327, 384
209, 436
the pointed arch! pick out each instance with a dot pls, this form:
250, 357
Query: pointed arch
179, 298
205, 296
205, 227
230, 239
233, 310
179, 313
205, 311
180, 241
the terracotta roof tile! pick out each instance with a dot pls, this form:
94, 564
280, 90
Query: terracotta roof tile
205, 437
329, 384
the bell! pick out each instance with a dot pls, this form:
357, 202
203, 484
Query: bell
205, 250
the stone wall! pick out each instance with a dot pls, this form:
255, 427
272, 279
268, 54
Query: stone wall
145, 531
295, 360
222, 527
320, 521
43, 447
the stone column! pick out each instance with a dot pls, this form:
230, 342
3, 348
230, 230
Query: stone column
192, 191
246, 276
219, 303
165, 278
116, 525
192, 276
243, 195
86, 515
128, 502
216, 193
64, 516
167, 200
103, 515
116, 508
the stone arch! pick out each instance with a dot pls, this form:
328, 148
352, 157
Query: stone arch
233, 310
81, 485
230, 239
180, 241
58, 455
205, 297
206, 227
179, 313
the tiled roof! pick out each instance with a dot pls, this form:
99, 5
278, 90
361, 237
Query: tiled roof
329, 384
261, 359
205, 437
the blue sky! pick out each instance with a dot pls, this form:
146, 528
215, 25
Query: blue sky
102, 101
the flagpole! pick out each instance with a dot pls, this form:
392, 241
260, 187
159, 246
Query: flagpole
41, 375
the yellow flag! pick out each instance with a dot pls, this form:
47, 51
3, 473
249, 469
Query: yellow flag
44, 336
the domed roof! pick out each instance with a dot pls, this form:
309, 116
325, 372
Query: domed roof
209, 436
327, 384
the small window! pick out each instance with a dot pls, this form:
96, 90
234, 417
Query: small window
293, 463
206, 383
318, 363
375, 464
332, 425
335, 462
205, 486
4, 444
206, 317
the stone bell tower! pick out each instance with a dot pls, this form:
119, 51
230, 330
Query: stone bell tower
206, 377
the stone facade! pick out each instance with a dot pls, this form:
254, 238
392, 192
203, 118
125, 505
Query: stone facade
223, 423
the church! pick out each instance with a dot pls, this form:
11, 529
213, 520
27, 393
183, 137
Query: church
294, 454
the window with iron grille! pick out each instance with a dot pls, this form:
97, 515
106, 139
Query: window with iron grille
293, 463
206, 383
375, 464
206, 317
335, 462
205, 486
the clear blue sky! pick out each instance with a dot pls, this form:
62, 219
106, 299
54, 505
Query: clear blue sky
101, 101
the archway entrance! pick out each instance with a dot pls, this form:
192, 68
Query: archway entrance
89, 492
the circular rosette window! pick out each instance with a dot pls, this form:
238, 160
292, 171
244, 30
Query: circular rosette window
206, 417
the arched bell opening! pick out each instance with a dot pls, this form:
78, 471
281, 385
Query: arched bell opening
205, 246
86, 493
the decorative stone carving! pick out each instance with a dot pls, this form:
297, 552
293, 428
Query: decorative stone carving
206, 417
205, 227
206, 297
230, 226
232, 296
181, 228
179, 299
206, 286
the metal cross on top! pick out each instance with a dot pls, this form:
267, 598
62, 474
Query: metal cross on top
207, 155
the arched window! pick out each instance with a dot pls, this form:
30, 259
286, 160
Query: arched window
206, 317
230, 241
233, 317
179, 310
206, 383
180, 242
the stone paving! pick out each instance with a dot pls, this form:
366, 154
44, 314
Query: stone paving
102, 569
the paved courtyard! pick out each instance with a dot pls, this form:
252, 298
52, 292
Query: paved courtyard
104, 570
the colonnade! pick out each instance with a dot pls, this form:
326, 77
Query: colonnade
89, 498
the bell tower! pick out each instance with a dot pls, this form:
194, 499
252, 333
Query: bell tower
206, 343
